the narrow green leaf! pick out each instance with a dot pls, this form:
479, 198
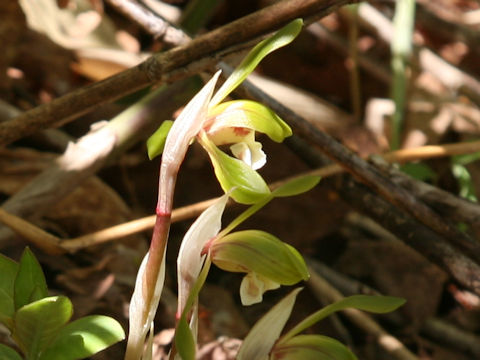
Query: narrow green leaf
7, 353
262, 253
251, 115
234, 175
184, 340
84, 337
37, 323
374, 304
156, 142
261, 338
296, 186
312, 347
8, 271
30, 284
281, 38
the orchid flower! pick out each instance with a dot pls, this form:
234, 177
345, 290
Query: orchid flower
235, 123
266, 260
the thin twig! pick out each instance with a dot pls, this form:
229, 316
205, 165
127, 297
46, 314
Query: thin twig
156, 26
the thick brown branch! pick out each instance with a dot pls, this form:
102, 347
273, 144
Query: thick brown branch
374, 177
197, 55
414, 234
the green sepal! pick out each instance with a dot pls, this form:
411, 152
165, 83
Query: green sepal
246, 185
312, 347
263, 335
156, 142
8, 271
184, 340
296, 186
30, 284
37, 323
251, 115
262, 253
7, 353
281, 38
83, 338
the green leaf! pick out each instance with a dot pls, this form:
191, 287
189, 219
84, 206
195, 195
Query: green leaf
297, 186
184, 340
7, 353
37, 323
281, 38
375, 304
246, 184
251, 115
30, 284
419, 171
84, 337
259, 252
312, 347
465, 182
261, 338
156, 142
8, 271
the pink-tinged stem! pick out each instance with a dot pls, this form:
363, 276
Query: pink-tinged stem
155, 257
168, 177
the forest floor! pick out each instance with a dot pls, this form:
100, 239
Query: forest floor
367, 228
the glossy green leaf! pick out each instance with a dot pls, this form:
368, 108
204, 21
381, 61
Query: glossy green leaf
37, 323
281, 38
84, 337
312, 347
251, 115
8, 271
30, 284
184, 340
374, 304
259, 252
296, 186
7, 353
261, 338
156, 142
245, 184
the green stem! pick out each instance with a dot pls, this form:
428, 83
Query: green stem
245, 215
401, 49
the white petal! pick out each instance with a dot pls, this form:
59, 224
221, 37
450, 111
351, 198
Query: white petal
189, 261
250, 152
253, 286
138, 324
